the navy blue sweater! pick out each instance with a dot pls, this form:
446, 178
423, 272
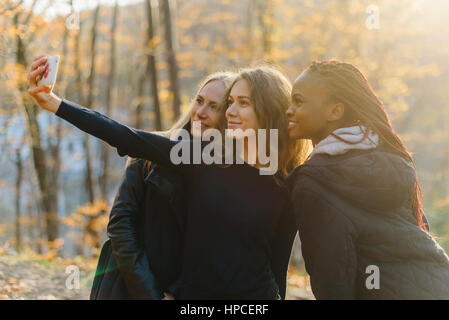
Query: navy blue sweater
240, 227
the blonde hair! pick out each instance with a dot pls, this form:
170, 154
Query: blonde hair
226, 77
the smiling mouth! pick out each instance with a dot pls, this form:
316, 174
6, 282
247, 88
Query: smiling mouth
292, 124
233, 124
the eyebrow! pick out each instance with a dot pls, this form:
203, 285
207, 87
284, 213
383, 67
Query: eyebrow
242, 97
210, 102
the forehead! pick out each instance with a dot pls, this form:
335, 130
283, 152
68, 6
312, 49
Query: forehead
214, 90
308, 83
240, 88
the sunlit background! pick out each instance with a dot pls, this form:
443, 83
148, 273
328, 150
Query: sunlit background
54, 211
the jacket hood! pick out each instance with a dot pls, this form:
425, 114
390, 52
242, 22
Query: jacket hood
376, 180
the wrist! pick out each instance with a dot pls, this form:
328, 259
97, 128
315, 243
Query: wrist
54, 103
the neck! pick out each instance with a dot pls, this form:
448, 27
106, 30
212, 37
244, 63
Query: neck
326, 132
245, 155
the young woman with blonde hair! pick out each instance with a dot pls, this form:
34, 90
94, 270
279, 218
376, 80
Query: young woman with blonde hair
143, 257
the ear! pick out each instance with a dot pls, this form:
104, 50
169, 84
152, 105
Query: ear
336, 112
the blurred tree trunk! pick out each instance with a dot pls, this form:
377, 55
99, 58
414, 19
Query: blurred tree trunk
89, 231
250, 31
151, 72
31, 225
78, 84
266, 24
111, 78
138, 113
19, 170
54, 143
39, 158
79, 89
164, 7
151, 68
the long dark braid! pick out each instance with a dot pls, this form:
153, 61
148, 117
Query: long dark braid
349, 86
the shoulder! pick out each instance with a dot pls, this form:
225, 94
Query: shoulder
136, 164
136, 170
300, 181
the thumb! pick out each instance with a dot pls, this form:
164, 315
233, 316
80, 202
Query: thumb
36, 90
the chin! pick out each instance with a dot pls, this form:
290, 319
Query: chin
293, 135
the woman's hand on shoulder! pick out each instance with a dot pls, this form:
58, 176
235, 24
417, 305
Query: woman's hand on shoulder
43, 96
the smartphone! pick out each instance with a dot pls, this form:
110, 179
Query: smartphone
48, 78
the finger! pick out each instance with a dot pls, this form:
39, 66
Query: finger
37, 57
33, 74
36, 90
38, 63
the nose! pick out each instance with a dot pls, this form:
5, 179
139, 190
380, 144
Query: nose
201, 113
289, 112
231, 111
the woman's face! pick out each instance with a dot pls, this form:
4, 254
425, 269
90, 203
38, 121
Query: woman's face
309, 112
205, 107
240, 113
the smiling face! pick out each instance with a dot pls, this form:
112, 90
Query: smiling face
240, 113
205, 108
312, 114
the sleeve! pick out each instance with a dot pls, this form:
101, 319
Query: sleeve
282, 246
131, 258
327, 244
128, 141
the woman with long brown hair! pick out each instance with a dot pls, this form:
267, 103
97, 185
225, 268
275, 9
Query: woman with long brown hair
357, 199
240, 228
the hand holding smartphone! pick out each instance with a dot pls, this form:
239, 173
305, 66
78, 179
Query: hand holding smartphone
48, 77
41, 80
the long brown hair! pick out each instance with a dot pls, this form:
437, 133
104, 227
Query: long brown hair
348, 85
270, 93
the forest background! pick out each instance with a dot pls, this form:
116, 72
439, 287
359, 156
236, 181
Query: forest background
140, 63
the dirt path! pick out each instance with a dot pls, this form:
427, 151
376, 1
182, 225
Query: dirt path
23, 278
27, 279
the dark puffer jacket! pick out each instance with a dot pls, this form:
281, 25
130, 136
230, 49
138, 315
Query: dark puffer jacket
143, 256
355, 210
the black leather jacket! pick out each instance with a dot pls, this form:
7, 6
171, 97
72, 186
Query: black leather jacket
143, 257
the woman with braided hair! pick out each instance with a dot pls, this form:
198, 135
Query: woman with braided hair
357, 200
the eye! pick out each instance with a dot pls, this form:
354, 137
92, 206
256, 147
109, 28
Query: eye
229, 102
244, 103
297, 101
199, 100
213, 106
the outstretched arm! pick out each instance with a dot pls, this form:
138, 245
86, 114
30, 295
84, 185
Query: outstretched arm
128, 141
